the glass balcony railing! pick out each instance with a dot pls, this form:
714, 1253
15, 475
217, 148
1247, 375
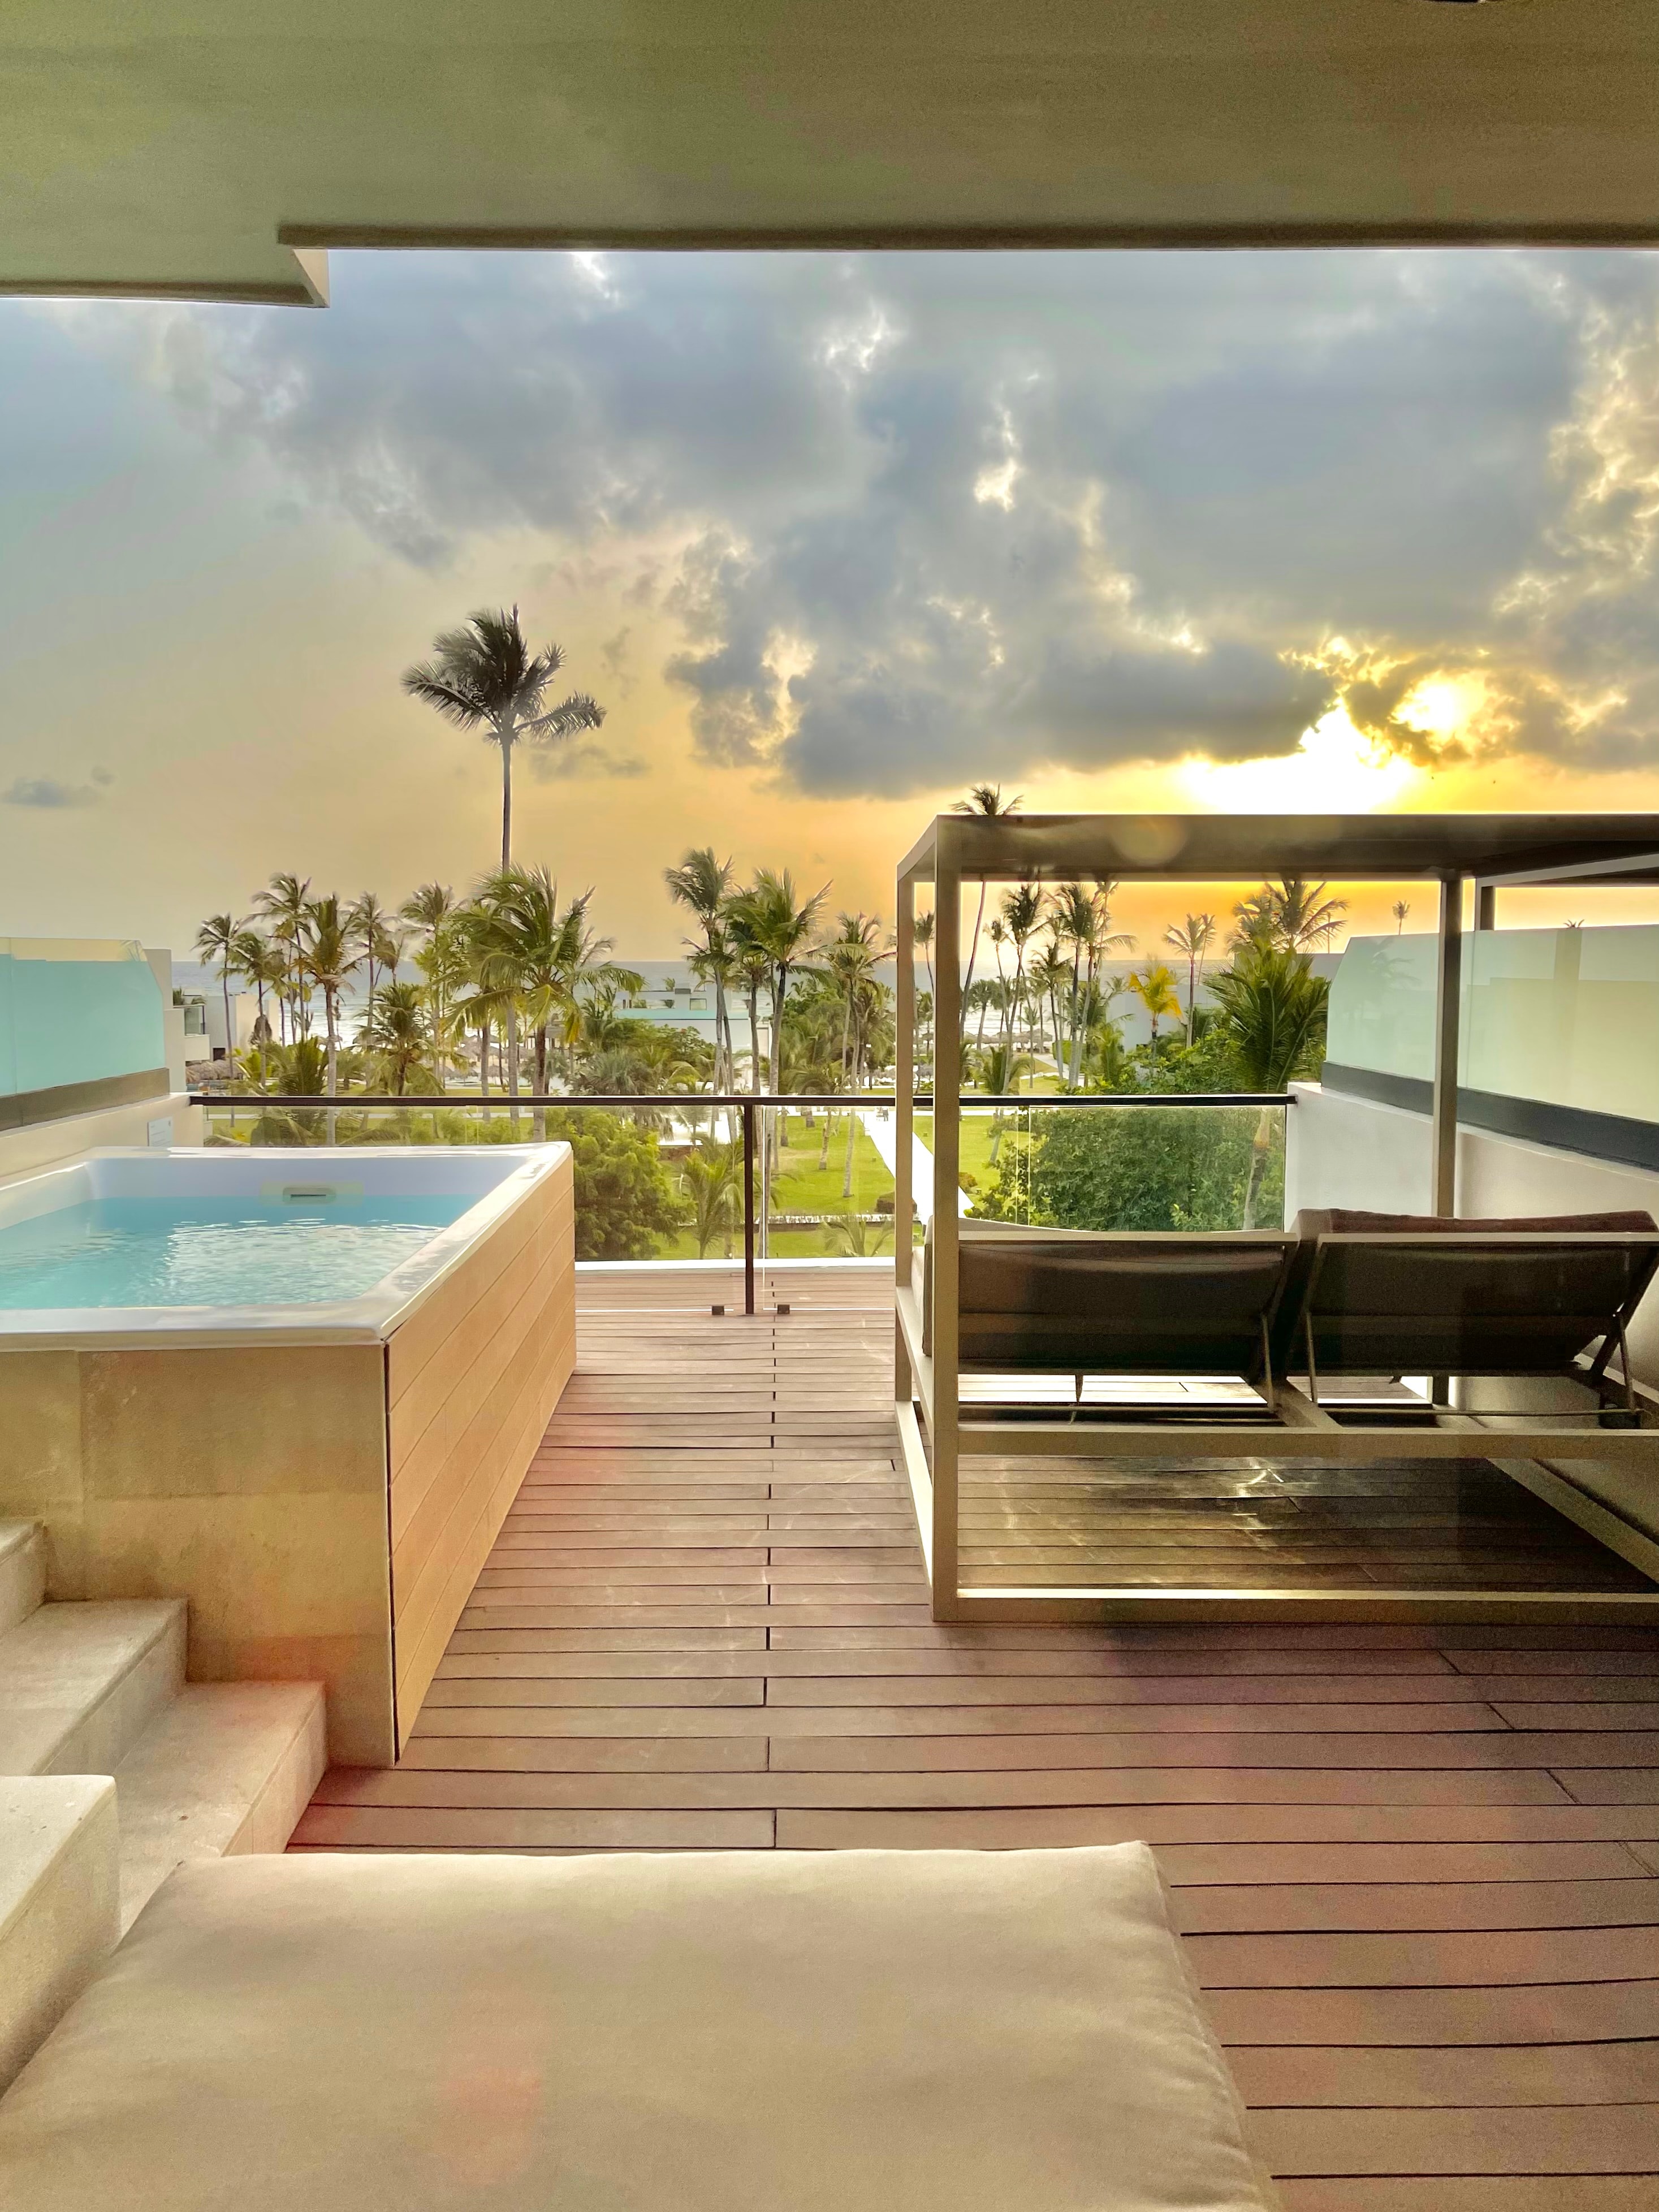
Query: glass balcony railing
743, 1191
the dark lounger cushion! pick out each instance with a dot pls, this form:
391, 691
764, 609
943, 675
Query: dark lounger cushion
1526, 1302
1114, 1302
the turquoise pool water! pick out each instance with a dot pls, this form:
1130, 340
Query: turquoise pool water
213, 1251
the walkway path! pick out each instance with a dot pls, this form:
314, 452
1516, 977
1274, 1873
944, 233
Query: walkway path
882, 1129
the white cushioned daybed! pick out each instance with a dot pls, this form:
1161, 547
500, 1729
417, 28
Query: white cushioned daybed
928, 2031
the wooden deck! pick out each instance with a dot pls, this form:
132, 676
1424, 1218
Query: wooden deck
1418, 1869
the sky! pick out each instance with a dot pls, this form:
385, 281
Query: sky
831, 538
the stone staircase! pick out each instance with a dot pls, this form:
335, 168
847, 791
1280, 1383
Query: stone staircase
113, 1772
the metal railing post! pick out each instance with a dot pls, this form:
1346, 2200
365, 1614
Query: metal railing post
748, 1206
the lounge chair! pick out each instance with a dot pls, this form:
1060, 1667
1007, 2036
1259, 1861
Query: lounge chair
1343, 1294
1049, 1300
1545, 1298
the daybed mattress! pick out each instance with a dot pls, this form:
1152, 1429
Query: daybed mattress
928, 2032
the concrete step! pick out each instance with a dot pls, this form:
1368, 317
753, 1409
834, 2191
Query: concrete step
228, 1768
80, 1683
22, 1572
59, 1901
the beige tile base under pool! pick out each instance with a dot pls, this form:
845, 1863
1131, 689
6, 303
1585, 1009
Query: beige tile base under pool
323, 1507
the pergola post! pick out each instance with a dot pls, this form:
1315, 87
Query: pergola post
904, 1087
1448, 1008
947, 1151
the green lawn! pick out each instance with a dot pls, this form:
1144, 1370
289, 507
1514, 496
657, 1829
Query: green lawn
802, 1186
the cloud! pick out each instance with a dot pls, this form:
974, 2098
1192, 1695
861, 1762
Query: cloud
47, 791
582, 758
917, 517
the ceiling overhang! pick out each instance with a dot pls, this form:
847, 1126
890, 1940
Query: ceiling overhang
216, 149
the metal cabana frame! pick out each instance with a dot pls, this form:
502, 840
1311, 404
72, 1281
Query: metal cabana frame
1487, 852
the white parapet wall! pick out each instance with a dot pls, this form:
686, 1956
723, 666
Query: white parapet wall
165, 1120
1342, 1150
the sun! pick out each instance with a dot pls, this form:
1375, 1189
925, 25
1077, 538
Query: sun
1335, 769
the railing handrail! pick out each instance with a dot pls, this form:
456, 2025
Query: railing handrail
530, 1102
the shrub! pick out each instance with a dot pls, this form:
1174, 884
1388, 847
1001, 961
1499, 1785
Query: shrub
624, 1201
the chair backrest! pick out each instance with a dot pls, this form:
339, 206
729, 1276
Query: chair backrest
1114, 1302
1393, 1294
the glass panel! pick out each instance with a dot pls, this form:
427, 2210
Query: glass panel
1381, 1009
1101, 1166
1567, 1016
76, 1011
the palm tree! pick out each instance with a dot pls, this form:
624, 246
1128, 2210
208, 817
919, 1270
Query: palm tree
986, 801
543, 959
849, 964
263, 964
703, 885
329, 961
923, 928
223, 939
1192, 940
711, 1178
1305, 915
1155, 987
1399, 910
751, 965
397, 1031
430, 906
1050, 973
1082, 918
1291, 914
1022, 917
483, 677
367, 919
282, 903
780, 924
1271, 1009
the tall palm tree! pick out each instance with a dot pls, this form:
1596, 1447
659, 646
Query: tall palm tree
1291, 914
1155, 987
1271, 1010
1050, 974
483, 677
367, 919
923, 931
428, 906
1081, 917
1306, 916
1022, 917
702, 884
282, 904
329, 960
544, 959
848, 963
221, 938
1192, 940
779, 923
987, 801
751, 965
1399, 909
263, 964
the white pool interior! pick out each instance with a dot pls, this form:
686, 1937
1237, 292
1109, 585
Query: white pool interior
160, 1238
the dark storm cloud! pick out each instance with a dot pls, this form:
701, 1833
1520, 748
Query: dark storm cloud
918, 516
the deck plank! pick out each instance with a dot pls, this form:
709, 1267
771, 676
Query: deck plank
1416, 1866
